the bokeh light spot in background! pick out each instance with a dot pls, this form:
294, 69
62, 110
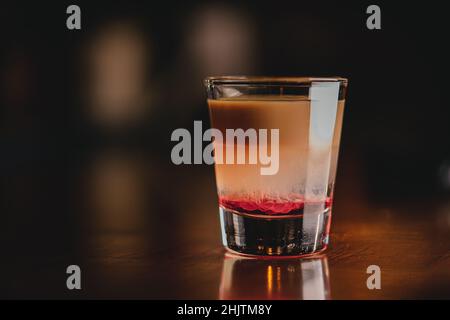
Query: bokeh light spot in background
221, 40
117, 193
118, 61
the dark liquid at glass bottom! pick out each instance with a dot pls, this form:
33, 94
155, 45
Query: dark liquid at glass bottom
253, 233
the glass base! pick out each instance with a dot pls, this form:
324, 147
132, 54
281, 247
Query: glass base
274, 236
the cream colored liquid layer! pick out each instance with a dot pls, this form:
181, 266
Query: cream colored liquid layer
292, 118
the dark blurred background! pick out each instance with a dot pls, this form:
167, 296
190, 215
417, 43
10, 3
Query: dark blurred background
86, 118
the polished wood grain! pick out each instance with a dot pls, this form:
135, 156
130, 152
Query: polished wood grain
184, 258
146, 230
413, 258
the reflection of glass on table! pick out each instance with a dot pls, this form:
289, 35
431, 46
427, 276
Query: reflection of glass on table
254, 279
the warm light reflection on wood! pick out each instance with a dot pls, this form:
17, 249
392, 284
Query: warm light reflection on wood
269, 280
278, 279
244, 278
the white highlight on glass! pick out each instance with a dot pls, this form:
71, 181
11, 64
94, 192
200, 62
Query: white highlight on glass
324, 99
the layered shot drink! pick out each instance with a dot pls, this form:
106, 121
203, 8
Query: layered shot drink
282, 208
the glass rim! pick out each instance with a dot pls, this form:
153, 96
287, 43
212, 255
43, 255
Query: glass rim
266, 80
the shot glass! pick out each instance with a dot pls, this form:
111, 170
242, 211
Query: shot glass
276, 143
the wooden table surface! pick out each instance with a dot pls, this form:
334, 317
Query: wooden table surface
413, 256
136, 237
